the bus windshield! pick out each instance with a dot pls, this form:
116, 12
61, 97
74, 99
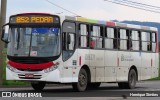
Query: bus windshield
34, 42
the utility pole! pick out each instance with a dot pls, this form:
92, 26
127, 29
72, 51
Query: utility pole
3, 7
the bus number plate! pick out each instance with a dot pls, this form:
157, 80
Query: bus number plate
29, 75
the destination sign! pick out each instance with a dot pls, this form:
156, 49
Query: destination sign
34, 19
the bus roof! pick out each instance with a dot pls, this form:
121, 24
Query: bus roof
109, 23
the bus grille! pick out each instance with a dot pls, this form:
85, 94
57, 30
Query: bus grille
23, 76
35, 70
29, 61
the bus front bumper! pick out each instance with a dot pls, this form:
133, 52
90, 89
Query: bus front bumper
53, 76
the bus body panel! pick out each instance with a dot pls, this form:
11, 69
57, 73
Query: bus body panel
136, 61
156, 69
123, 66
146, 66
96, 58
111, 63
71, 69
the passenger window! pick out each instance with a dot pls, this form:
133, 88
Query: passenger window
71, 41
135, 45
96, 39
146, 41
123, 39
110, 38
83, 40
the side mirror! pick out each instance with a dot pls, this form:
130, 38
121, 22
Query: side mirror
5, 35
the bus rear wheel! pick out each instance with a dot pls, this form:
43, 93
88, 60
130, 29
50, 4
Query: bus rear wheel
132, 78
38, 86
81, 85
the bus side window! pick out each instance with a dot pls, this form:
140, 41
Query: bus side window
123, 39
135, 40
71, 41
96, 37
110, 38
83, 40
146, 41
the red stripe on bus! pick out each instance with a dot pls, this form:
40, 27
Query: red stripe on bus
80, 60
30, 66
157, 47
111, 24
28, 13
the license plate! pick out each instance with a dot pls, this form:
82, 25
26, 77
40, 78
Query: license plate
29, 75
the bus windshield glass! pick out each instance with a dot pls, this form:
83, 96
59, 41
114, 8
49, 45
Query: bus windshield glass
34, 42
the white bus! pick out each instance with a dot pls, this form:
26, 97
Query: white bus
45, 48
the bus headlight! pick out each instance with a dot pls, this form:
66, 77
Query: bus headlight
52, 68
11, 68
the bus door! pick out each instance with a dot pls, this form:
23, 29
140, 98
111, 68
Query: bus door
68, 56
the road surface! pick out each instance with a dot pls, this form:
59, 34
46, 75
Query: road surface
145, 90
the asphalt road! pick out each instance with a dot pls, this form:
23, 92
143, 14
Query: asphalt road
145, 90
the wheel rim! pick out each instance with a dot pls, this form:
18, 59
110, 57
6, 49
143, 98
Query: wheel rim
82, 80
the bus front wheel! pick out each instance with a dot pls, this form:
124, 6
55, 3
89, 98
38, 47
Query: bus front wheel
81, 85
38, 86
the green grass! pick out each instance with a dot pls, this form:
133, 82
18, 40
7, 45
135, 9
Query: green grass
157, 78
9, 82
15, 83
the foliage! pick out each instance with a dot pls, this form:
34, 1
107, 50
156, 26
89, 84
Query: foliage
9, 82
157, 78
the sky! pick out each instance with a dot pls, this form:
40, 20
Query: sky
94, 9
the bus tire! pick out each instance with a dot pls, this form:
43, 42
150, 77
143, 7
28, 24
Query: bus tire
81, 85
131, 81
94, 85
38, 86
132, 78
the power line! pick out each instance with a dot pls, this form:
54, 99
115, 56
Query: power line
132, 6
142, 4
139, 4
61, 7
